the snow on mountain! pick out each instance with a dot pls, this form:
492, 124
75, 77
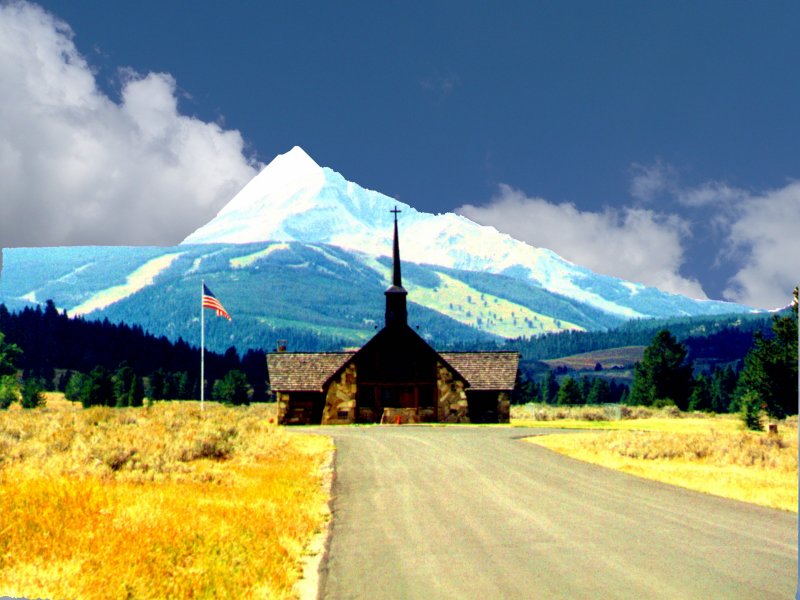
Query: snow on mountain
294, 199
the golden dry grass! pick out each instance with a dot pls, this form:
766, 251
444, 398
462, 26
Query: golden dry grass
711, 455
165, 502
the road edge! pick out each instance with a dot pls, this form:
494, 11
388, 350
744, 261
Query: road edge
308, 586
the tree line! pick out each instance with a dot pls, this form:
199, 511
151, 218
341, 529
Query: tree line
764, 388
720, 336
97, 362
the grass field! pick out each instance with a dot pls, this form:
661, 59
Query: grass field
160, 502
711, 454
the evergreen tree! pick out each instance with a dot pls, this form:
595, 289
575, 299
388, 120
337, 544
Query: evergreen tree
136, 392
231, 389
9, 355
769, 376
701, 398
9, 390
32, 396
662, 377
181, 385
75, 386
550, 388
723, 386
599, 392
156, 387
123, 382
98, 389
525, 389
569, 392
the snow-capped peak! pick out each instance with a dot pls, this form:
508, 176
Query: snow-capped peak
284, 188
294, 199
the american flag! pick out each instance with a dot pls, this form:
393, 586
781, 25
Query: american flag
210, 301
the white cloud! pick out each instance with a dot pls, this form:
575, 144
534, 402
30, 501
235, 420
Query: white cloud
76, 167
764, 237
650, 181
710, 193
631, 243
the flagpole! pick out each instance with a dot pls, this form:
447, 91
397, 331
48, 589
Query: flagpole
796, 306
202, 345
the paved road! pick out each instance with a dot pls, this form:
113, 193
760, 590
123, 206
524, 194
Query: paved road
449, 512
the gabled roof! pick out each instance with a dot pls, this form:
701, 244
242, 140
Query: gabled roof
311, 371
303, 371
485, 370
391, 335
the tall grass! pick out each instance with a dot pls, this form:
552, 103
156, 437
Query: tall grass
712, 455
165, 502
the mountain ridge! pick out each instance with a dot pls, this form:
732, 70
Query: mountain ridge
321, 276
294, 199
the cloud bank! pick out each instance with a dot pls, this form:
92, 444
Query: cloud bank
758, 233
77, 167
764, 232
631, 243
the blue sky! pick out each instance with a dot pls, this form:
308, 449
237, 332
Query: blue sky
669, 128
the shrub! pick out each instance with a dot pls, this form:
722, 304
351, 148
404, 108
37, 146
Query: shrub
32, 396
9, 390
232, 389
751, 411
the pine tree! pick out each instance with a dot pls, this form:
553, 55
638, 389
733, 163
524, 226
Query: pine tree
769, 376
32, 396
74, 388
599, 392
136, 392
98, 390
550, 388
9, 390
231, 389
9, 355
723, 386
122, 384
701, 398
569, 392
662, 377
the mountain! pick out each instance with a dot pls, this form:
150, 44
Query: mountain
294, 199
302, 254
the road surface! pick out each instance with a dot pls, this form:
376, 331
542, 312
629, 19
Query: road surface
472, 512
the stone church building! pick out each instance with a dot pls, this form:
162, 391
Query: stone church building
396, 377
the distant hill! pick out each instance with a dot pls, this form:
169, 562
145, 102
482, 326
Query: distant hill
316, 296
611, 358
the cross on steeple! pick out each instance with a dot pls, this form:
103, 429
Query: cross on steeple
396, 313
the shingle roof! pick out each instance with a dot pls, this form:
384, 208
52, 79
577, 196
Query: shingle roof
303, 371
308, 371
485, 370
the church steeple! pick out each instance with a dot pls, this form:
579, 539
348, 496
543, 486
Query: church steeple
396, 279
396, 311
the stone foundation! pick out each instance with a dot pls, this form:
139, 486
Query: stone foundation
340, 401
282, 399
453, 406
503, 407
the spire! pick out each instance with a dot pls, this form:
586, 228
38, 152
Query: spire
396, 311
396, 279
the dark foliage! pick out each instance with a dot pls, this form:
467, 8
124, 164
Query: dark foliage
41, 342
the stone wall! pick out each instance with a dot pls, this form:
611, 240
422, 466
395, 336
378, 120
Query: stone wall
452, 398
503, 407
340, 401
282, 398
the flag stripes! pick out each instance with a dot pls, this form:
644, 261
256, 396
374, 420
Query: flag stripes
210, 301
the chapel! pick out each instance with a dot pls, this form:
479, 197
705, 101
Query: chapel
396, 377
